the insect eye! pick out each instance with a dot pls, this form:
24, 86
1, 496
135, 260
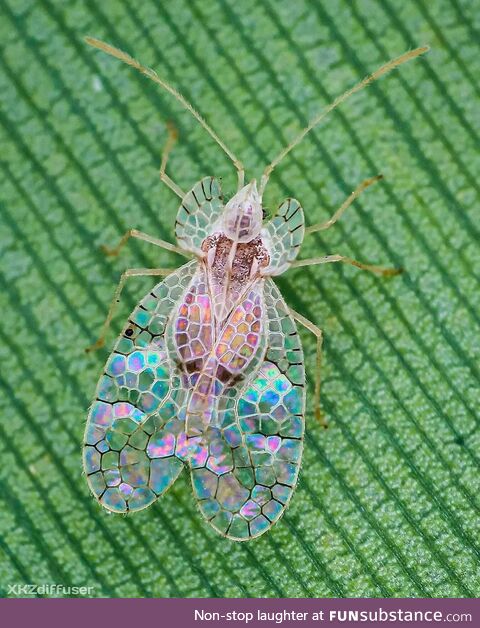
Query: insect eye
129, 332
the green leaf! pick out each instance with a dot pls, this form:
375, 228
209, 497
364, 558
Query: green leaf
387, 504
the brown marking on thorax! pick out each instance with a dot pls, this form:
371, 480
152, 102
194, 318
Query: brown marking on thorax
229, 276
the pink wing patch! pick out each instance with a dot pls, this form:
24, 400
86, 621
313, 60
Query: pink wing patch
233, 352
240, 337
194, 323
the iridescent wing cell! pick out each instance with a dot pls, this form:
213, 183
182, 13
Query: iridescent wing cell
252, 449
235, 348
241, 335
200, 209
134, 442
284, 234
194, 325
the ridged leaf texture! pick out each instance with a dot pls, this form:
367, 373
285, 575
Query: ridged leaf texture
387, 503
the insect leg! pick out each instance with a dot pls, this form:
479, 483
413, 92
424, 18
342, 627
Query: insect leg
386, 272
317, 332
134, 233
131, 272
171, 139
348, 201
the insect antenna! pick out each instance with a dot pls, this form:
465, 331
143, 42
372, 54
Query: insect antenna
153, 76
393, 63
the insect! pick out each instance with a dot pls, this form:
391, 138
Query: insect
208, 372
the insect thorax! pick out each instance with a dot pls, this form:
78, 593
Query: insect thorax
231, 267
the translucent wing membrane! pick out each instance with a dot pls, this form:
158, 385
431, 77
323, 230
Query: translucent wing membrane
200, 209
252, 448
238, 397
240, 337
284, 235
133, 438
194, 323
234, 350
